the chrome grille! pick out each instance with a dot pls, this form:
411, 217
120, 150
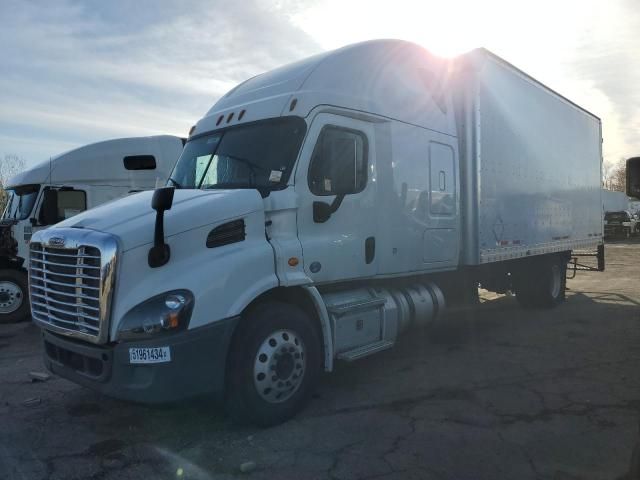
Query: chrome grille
70, 285
65, 287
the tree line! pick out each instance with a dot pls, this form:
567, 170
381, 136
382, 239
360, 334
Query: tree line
614, 177
10, 165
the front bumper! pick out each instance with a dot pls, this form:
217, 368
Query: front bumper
197, 365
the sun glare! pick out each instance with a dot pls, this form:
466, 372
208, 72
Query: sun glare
452, 27
541, 38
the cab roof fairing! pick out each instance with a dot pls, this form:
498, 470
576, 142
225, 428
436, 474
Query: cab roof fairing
81, 164
389, 78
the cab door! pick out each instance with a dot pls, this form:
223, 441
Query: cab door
336, 186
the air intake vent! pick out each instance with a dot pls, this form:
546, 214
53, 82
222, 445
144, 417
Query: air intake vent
226, 233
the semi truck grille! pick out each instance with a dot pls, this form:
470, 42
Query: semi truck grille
70, 287
65, 287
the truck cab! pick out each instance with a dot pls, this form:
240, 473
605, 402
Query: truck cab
67, 185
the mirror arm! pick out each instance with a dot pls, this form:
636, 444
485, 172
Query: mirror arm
335, 205
160, 253
322, 211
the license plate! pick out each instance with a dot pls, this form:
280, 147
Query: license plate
150, 355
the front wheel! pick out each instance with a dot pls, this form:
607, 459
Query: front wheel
274, 363
14, 301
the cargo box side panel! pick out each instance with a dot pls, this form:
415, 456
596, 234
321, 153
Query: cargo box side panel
539, 162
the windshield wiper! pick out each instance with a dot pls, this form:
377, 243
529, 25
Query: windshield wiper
221, 186
175, 182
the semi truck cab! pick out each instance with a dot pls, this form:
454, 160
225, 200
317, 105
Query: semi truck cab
67, 185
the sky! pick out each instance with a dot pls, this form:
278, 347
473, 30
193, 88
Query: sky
76, 72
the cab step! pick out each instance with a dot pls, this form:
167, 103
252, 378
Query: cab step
364, 351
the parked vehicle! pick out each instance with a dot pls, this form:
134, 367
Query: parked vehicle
316, 212
621, 223
633, 178
65, 186
615, 201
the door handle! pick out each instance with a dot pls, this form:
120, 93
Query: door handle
369, 249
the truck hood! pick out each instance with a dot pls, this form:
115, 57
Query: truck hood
132, 219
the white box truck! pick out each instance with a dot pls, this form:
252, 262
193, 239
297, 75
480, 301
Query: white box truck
619, 218
613, 201
66, 185
316, 212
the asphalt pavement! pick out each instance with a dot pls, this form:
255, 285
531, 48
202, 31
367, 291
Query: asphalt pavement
488, 392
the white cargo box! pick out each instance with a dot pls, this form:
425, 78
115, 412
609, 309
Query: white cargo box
530, 165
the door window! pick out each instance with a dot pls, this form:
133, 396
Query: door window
339, 157
58, 205
70, 203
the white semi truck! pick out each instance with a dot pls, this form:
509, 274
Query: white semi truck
318, 211
66, 185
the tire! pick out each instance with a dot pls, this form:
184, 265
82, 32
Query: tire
273, 365
543, 284
14, 297
634, 468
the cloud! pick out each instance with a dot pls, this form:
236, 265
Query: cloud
607, 59
77, 72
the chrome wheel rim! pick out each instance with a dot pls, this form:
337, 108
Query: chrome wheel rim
11, 297
556, 281
279, 366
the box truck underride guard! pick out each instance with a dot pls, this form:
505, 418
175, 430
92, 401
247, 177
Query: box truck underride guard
66, 185
317, 212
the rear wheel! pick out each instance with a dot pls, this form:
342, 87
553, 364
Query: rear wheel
14, 302
543, 284
273, 365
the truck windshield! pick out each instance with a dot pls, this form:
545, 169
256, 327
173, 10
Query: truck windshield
259, 155
20, 202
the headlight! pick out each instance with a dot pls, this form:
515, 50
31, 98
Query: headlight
165, 313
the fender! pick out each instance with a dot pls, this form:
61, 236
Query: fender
325, 325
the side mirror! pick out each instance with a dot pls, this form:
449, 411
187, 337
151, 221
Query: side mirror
161, 201
49, 208
345, 183
633, 177
322, 211
342, 166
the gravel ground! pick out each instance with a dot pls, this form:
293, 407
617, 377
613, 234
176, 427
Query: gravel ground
488, 392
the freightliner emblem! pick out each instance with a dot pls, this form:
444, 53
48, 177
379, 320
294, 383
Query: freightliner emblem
57, 241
